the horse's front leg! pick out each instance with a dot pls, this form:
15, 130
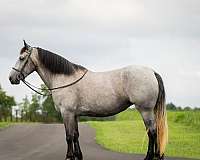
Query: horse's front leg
77, 149
69, 122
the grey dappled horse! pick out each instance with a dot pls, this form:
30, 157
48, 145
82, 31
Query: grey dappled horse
97, 94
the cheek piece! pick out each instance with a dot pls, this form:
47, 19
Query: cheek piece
21, 71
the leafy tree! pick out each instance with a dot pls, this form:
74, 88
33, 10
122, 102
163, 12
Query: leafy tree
34, 107
179, 109
187, 108
171, 106
6, 103
25, 104
49, 107
35, 103
196, 109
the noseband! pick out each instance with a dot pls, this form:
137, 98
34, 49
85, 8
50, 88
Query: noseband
34, 88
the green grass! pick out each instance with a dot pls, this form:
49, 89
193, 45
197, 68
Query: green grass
189, 118
4, 124
128, 135
7, 124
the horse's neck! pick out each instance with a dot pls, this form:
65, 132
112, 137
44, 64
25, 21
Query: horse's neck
50, 79
55, 80
46, 76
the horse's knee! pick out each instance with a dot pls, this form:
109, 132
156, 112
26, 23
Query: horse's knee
69, 138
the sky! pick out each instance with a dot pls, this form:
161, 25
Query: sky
108, 34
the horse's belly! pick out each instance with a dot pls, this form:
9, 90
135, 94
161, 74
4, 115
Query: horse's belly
103, 110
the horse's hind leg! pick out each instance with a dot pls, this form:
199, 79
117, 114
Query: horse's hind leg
149, 121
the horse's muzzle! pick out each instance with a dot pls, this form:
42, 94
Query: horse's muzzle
14, 81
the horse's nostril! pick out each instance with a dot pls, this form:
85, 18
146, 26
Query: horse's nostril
10, 78
20, 77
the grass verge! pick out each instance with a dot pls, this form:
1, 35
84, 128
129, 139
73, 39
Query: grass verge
129, 136
4, 124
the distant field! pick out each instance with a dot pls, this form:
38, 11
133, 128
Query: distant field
127, 133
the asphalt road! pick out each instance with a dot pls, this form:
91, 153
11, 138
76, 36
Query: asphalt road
47, 142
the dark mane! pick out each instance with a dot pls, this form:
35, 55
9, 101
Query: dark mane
57, 64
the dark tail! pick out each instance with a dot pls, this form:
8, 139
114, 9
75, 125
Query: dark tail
161, 117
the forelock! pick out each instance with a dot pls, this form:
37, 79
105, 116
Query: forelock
22, 50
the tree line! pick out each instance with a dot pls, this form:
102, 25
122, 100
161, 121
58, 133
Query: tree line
39, 108
173, 107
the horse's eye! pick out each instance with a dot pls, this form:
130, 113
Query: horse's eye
21, 58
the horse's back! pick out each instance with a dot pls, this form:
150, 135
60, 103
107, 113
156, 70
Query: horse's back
134, 83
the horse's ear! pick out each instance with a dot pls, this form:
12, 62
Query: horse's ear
25, 44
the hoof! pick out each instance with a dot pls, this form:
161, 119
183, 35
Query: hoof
149, 157
70, 158
162, 157
78, 157
158, 157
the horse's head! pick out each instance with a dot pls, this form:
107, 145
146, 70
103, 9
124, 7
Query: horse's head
24, 65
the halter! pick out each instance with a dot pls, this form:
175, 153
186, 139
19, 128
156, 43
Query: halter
29, 51
32, 87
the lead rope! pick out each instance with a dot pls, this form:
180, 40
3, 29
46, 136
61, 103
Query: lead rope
32, 87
